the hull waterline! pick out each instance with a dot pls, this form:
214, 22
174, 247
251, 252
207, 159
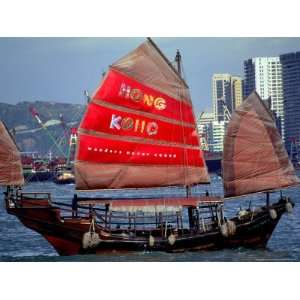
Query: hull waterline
66, 234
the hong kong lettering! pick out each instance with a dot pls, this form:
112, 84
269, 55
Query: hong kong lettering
135, 125
137, 95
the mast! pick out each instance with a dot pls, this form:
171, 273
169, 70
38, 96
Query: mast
179, 70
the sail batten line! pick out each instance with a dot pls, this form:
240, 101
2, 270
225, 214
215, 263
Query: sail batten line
106, 120
121, 90
273, 190
254, 157
147, 65
151, 87
131, 132
105, 150
263, 175
136, 139
141, 113
142, 164
102, 176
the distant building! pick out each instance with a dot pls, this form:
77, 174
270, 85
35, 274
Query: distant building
218, 132
204, 126
227, 94
237, 91
264, 75
291, 92
211, 132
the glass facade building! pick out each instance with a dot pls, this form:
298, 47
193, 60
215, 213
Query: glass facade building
291, 93
227, 93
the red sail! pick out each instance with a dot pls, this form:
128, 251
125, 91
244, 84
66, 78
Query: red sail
139, 128
254, 157
11, 171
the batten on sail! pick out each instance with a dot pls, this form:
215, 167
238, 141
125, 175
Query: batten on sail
139, 129
254, 157
11, 171
148, 65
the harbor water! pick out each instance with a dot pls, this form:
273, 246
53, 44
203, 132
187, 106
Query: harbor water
18, 243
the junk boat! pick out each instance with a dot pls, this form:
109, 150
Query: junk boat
139, 132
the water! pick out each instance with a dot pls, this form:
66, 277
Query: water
18, 243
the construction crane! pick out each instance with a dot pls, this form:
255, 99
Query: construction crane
35, 114
63, 124
66, 131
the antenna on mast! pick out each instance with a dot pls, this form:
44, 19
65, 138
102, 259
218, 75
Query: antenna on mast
178, 62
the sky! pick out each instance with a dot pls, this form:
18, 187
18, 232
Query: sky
60, 69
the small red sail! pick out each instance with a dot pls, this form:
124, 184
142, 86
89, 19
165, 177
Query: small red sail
11, 171
254, 157
139, 129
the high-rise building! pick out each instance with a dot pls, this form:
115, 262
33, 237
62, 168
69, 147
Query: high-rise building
205, 131
221, 95
218, 132
211, 132
237, 91
264, 75
227, 94
291, 92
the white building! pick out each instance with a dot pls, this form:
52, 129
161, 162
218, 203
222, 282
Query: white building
204, 126
218, 132
211, 132
264, 74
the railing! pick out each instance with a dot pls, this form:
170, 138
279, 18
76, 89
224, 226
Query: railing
36, 196
201, 220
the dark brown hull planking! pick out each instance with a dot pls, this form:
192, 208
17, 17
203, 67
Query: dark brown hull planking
65, 234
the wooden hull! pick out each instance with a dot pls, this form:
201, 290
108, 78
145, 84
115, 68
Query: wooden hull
66, 234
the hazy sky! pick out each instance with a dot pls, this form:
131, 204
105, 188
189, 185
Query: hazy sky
59, 69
